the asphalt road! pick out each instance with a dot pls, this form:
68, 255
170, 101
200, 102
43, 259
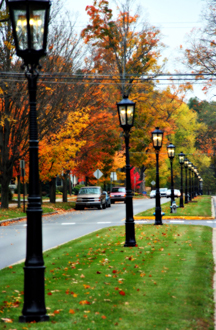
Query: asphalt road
58, 229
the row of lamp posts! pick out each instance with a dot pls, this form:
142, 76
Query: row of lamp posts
191, 190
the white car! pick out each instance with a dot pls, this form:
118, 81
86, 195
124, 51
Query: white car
163, 192
177, 193
153, 194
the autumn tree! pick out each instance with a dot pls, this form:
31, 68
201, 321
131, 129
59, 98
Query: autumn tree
53, 106
200, 55
102, 136
206, 141
121, 46
57, 151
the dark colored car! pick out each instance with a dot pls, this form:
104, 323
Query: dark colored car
108, 201
118, 194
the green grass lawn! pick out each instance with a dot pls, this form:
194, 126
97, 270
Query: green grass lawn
200, 206
94, 282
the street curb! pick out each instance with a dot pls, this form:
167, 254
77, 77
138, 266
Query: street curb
175, 218
181, 217
23, 218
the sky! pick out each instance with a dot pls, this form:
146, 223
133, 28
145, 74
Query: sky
174, 18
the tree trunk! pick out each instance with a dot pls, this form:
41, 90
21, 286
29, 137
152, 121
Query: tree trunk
64, 196
4, 192
18, 190
142, 178
53, 190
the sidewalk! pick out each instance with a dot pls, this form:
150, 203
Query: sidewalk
214, 256
214, 277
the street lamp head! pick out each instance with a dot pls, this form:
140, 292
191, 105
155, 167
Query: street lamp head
190, 165
186, 161
171, 151
29, 20
181, 158
126, 111
157, 138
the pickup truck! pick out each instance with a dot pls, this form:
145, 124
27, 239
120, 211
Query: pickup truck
90, 196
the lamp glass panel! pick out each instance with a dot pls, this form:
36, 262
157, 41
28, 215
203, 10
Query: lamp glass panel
130, 114
122, 115
157, 140
171, 152
181, 159
20, 18
37, 21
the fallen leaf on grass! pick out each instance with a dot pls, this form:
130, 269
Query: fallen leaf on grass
71, 311
84, 302
103, 317
6, 320
122, 293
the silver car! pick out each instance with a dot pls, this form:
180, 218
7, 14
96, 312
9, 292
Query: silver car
177, 193
91, 196
153, 194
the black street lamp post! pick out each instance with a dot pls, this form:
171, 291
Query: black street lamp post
201, 186
157, 137
181, 162
197, 175
186, 185
29, 20
189, 168
126, 111
195, 181
192, 181
171, 155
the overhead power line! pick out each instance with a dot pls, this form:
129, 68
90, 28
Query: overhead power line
64, 77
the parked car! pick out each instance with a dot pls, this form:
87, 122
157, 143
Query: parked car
118, 194
108, 200
163, 192
91, 196
177, 193
153, 194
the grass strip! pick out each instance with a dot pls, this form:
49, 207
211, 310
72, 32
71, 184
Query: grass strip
93, 282
200, 207
15, 212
